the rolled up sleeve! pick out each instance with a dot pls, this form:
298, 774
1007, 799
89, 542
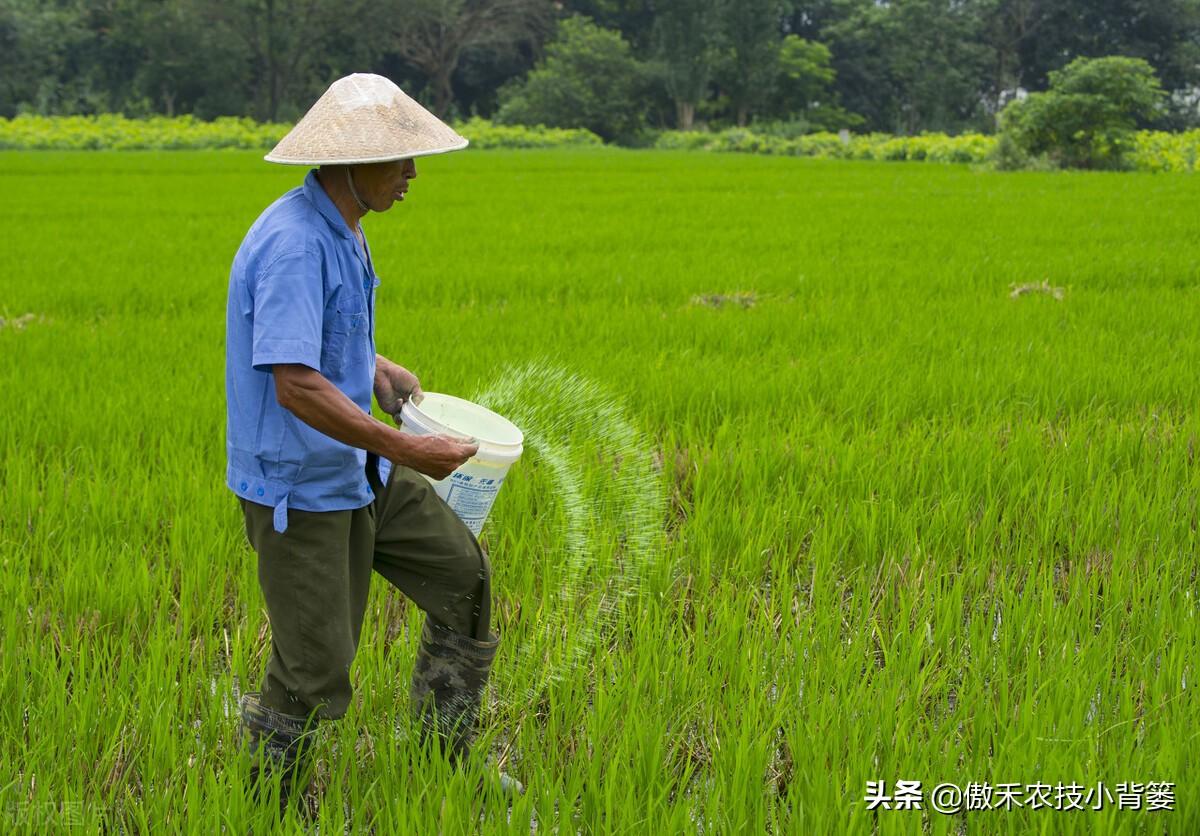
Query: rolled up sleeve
289, 304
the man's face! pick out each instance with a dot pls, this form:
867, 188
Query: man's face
382, 184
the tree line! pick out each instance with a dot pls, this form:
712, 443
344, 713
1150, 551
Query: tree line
616, 66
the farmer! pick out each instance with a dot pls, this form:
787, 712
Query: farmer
329, 493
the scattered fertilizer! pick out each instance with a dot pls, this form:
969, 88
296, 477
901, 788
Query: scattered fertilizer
613, 516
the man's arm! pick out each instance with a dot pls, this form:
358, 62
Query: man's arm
309, 396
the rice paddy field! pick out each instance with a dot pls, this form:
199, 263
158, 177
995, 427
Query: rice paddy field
835, 473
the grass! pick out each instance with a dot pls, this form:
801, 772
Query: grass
916, 526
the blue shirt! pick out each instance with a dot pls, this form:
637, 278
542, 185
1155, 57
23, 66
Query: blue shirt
301, 291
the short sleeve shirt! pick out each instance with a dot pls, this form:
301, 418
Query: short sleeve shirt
301, 291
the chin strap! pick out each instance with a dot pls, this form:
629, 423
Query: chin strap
354, 191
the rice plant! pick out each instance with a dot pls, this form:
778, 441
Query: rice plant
813, 497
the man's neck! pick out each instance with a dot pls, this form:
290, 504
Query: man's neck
338, 190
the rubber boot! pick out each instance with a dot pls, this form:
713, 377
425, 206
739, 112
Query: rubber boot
448, 682
276, 741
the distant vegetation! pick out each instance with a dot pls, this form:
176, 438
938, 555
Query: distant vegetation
1145, 151
617, 67
160, 133
1087, 119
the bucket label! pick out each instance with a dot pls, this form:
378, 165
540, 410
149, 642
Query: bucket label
472, 501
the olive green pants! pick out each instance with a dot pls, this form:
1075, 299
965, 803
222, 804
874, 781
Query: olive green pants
315, 577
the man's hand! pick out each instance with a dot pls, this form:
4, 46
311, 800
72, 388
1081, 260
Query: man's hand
437, 456
394, 386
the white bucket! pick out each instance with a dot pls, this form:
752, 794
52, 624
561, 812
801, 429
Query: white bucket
471, 490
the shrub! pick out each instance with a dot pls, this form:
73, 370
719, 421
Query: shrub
821, 145
115, 132
1161, 151
1088, 116
968, 148
484, 134
1155, 151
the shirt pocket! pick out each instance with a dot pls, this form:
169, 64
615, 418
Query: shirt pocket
347, 325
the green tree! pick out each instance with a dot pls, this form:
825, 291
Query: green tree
1166, 33
588, 78
751, 31
634, 19
1008, 27
435, 35
293, 48
804, 90
1087, 117
1031, 38
687, 50
910, 65
37, 41
166, 56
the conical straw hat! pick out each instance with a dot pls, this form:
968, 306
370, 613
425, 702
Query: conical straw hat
364, 118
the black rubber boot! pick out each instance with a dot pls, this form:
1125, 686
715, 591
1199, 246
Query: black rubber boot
448, 682
280, 742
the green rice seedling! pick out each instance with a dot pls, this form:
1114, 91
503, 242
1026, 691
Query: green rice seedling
884, 523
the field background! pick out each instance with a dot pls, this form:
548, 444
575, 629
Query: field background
916, 529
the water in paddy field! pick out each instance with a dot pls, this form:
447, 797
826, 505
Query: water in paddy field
602, 496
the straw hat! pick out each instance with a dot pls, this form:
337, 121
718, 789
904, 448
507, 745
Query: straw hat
364, 118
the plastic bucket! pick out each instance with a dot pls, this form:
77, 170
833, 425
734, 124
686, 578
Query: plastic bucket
471, 490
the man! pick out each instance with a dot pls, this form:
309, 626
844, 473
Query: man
328, 492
